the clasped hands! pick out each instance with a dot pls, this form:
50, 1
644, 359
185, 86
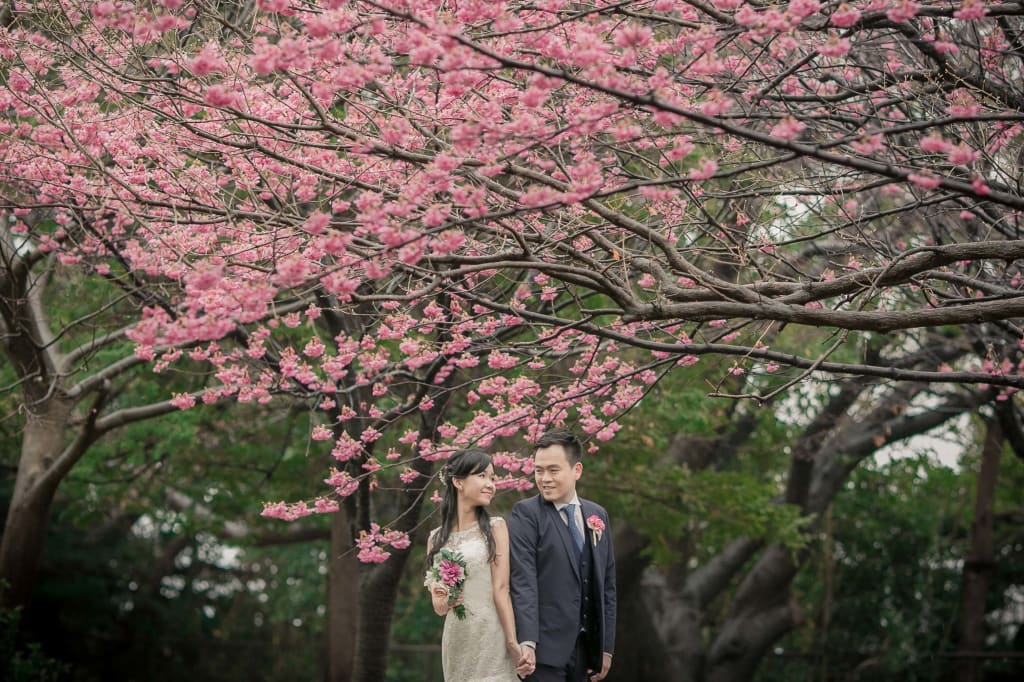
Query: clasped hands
524, 656
526, 662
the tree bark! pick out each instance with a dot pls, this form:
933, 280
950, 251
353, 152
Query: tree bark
980, 561
342, 599
378, 590
28, 515
686, 649
376, 611
58, 429
379, 587
639, 652
762, 612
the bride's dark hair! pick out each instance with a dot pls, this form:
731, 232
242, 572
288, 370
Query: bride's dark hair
462, 464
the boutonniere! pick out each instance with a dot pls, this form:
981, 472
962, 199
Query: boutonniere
596, 526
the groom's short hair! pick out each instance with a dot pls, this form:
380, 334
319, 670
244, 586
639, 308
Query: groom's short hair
564, 437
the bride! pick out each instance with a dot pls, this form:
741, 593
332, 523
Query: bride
483, 646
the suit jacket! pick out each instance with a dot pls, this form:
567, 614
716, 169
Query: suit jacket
546, 583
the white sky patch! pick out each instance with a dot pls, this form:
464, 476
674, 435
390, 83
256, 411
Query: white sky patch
944, 445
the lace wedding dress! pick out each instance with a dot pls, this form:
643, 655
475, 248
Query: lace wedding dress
473, 649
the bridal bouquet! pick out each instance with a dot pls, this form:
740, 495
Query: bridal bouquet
448, 573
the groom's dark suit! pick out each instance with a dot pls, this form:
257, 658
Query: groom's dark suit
557, 597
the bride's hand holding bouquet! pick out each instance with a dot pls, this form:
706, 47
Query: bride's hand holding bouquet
445, 580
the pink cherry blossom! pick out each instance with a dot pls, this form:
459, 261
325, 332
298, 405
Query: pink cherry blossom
868, 144
935, 143
209, 60
835, 46
970, 10
321, 432
845, 16
924, 180
787, 128
183, 401
962, 155
706, 170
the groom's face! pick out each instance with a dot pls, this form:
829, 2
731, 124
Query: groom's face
556, 476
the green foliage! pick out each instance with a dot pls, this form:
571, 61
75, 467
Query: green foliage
893, 532
26, 662
674, 505
141, 579
709, 508
882, 589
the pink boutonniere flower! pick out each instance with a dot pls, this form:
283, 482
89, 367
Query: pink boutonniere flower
596, 526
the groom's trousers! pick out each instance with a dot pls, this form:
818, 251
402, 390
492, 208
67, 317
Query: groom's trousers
569, 673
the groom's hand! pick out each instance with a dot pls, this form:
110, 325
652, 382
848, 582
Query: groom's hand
606, 665
527, 661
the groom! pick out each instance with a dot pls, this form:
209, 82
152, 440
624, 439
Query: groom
563, 576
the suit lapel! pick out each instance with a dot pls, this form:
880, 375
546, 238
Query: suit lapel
557, 521
588, 510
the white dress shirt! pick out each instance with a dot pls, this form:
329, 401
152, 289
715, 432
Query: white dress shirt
577, 512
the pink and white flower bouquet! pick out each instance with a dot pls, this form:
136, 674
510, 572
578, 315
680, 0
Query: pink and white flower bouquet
449, 574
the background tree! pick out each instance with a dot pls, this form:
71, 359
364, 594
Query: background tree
720, 604
157, 563
71, 371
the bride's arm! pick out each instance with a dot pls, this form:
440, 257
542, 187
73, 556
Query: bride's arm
500, 587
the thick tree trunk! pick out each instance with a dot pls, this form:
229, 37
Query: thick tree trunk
980, 561
700, 587
762, 613
379, 587
378, 591
342, 600
376, 611
21, 547
640, 652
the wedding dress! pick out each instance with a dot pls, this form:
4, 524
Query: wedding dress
473, 649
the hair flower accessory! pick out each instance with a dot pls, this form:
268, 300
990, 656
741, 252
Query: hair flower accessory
596, 526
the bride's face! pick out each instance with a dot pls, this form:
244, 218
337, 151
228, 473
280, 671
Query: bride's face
477, 490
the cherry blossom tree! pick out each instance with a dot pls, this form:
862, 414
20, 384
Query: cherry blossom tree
846, 166
358, 203
70, 371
